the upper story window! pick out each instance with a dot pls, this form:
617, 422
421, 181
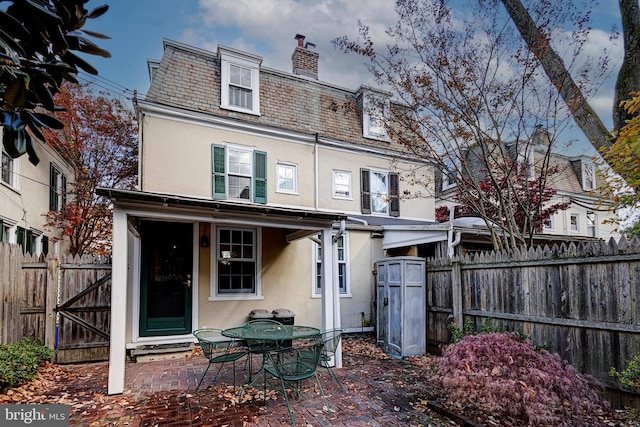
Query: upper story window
574, 224
588, 176
342, 184
375, 115
7, 173
379, 192
239, 173
287, 178
526, 164
57, 188
591, 224
449, 175
240, 81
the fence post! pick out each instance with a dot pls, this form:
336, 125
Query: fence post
456, 294
51, 289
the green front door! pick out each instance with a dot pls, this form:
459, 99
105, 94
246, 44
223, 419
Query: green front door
166, 276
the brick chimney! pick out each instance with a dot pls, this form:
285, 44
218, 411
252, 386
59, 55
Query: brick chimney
305, 59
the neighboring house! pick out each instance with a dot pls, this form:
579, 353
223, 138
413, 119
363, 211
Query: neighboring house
259, 189
27, 193
577, 181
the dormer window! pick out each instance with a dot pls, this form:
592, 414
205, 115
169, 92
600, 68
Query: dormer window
526, 164
588, 176
240, 81
449, 175
375, 115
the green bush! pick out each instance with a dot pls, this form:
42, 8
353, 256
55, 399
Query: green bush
20, 362
630, 376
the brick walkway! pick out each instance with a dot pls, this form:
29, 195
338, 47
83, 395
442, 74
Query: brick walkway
378, 392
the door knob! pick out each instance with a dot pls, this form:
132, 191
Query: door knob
188, 282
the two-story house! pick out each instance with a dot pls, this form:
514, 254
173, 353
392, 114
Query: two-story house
27, 193
259, 189
575, 180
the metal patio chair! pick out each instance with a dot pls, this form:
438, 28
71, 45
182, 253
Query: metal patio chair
218, 350
331, 340
260, 347
289, 367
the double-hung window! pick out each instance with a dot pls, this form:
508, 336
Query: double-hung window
375, 115
236, 261
7, 174
342, 252
239, 173
379, 192
342, 184
287, 178
57, 188
588, 176
574, 223
240, 81
592, 224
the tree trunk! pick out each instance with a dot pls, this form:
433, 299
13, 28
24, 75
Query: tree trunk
629, 75
538, 43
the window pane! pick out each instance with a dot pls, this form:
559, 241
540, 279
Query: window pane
379, 193
341, 184
240, 97
239, 187
286, 177
240, 162
342, 277
7, 167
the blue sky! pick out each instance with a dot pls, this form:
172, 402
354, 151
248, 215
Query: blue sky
267, 28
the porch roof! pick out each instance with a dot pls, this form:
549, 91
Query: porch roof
133, 198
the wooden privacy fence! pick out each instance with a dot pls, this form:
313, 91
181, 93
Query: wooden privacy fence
580, 301
63, 302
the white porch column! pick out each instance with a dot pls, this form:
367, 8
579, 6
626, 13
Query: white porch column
117, 342
330, 291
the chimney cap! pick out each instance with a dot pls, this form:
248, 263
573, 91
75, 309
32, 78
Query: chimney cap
309, 45
299, 36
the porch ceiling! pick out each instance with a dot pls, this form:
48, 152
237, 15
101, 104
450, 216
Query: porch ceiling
215, 209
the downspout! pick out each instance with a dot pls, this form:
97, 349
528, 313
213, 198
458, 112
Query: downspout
315, 173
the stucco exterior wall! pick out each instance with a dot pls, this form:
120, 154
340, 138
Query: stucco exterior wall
27, 201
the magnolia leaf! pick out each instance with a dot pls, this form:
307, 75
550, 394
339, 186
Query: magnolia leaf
96, 35
73, 59
98, 11
15, 93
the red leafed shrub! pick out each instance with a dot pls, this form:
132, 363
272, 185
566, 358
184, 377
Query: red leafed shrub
502, 375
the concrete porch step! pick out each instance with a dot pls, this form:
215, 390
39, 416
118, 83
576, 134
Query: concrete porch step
148, 353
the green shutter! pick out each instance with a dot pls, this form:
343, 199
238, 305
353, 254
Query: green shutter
64, 189
394, 194
3, 238
53, 202
218, 161
365, 191
259, 177
20, 235
45, 245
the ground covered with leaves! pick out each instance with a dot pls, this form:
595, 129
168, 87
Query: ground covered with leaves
417, 391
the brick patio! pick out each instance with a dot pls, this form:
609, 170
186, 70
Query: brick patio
378, 392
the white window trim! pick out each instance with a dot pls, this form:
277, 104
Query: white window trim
577, 216
387, 211
333, 185
585, 164
595, 223
552, 224
11, 229
228, 56
15, 173
445, 181
295, 178
368, 109
213, 262
314, 290
228, 173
